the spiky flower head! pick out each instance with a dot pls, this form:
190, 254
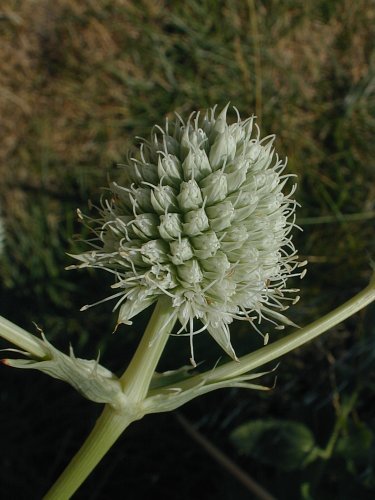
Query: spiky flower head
200, 215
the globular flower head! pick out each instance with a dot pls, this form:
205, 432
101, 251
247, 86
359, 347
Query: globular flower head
200, 215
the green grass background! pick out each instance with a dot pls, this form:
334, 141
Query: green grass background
78, 81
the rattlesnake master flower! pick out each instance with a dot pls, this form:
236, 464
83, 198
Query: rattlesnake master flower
200, 215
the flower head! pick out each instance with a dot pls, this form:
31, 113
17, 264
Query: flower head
200, 216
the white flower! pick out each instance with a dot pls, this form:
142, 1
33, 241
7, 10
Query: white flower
200, 215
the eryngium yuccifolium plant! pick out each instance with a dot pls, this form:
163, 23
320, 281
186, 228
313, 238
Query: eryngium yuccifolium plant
200, 216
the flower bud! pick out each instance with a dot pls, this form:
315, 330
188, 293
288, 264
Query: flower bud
201, 215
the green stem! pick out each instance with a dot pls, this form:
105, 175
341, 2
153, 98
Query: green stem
283, 346
21, 338
107, 430
111, 424
137, 377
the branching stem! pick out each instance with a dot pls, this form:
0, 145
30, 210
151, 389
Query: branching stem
281, 347
111, 424
136, 379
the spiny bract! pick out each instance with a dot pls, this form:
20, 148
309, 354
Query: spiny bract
201, 217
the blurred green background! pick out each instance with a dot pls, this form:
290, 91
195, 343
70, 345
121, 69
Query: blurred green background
78, 81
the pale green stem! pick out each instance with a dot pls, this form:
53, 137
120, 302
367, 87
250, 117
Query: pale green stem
107, 430
283, 346
137, 377
21, 338
111, 424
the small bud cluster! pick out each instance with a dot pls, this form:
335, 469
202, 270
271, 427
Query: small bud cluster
201, 217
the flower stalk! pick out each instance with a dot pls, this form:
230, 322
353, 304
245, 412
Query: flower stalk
138, 400
287, 344
137, 377
111, 424
106, 431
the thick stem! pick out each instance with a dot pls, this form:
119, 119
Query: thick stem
111, 424
108, 428
137, 377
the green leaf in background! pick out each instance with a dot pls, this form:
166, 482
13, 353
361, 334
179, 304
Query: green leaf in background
357, 444
284, 444
356, 448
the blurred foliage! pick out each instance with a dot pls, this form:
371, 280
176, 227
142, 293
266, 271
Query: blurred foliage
284, 444
78, 81
289, 446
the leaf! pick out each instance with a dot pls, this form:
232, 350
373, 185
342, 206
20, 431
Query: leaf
357, 443
284, 444
170, 377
